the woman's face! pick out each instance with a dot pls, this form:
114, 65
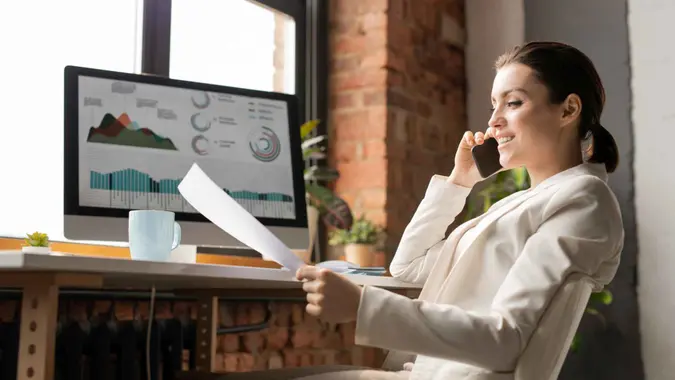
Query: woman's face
525, 123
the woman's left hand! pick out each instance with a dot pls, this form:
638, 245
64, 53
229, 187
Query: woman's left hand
330, 296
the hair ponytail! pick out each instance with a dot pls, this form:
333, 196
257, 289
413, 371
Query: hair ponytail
604, 148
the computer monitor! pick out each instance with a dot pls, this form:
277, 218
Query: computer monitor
129, 140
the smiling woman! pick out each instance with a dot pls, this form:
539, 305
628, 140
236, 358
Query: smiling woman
504, 292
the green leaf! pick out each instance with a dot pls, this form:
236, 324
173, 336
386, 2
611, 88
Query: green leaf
362, 231
314, 153
317, 173
595, 312
307, 128
604, 297
334, 210
313, 141
576, 342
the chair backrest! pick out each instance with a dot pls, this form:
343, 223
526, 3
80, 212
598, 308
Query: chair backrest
547, 349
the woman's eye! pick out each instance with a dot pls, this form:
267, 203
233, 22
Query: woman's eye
515, 103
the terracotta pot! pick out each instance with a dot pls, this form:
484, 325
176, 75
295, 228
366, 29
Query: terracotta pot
360, 254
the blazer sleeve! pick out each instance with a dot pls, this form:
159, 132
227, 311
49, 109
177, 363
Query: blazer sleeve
422, 238
581, 232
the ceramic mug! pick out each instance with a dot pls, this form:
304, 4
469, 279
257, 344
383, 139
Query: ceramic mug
153, 234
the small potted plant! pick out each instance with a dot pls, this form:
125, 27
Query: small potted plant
37, 242
358, 241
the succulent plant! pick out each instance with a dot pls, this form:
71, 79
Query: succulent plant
37, 239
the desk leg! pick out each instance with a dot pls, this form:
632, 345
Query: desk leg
39, 310
207, 327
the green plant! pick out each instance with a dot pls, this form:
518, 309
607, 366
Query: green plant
504, 184
37, 239
603, 297
334, 211
362, 231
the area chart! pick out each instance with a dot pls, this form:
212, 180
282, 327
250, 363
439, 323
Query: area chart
123, 131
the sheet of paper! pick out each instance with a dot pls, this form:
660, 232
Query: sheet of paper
225, 212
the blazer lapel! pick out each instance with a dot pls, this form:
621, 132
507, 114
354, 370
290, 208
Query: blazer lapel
443, 269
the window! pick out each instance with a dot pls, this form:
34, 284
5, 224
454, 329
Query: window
235, 43
36, 46
262, 44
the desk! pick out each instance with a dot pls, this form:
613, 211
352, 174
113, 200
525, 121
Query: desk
40, 277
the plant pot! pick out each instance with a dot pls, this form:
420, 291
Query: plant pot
36, 250
359, 254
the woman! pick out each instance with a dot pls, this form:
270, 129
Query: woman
487, 285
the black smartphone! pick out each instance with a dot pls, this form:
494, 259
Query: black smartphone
486, 157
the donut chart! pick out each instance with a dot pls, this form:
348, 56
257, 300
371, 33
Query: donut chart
200, 123
200, 145
201, 100
265, 145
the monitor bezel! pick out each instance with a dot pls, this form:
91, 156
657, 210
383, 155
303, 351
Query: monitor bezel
71, 143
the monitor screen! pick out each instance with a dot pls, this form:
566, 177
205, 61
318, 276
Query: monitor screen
139, 139
130, 139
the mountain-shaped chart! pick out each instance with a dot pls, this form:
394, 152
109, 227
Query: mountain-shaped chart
123, 131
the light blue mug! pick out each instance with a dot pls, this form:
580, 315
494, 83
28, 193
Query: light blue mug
153, 234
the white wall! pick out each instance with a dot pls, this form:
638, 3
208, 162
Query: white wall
492, 27
651, 34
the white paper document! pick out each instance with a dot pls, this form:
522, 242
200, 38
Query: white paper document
225, 212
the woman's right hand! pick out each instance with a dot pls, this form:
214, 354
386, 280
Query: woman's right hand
465, 173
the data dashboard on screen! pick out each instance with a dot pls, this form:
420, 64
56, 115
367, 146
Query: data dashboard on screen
137, 140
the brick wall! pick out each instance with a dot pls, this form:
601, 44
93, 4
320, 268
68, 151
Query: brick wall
397, 109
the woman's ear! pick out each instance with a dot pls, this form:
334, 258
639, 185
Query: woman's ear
571, 109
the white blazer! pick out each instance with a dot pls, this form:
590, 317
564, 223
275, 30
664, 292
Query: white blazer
487, 286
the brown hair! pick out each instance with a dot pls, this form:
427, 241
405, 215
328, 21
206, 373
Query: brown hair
565, 70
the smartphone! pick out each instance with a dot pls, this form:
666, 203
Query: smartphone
486, 157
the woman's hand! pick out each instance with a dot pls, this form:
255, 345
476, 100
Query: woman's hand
465, 173
330, 297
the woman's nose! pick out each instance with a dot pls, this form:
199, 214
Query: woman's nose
496, 120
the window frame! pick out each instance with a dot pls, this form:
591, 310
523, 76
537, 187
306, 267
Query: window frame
311, 70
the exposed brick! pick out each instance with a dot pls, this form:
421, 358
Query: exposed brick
345, 100
362, 175
375, 20
374, 198
405, 61
377, 215
360, 79
346, 150
375, 59
344, 64
376, 97
375, 148
361, 124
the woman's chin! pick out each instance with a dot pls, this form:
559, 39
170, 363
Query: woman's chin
504, 161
